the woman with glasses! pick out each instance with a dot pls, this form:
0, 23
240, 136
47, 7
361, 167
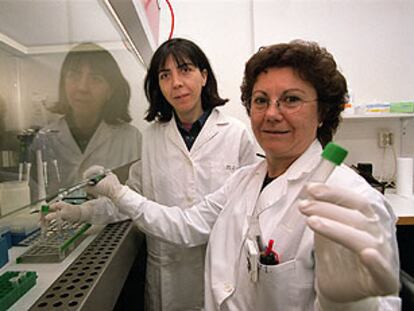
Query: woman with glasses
341, 252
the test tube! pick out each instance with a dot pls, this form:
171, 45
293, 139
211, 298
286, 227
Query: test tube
59, 223
332, 156
44, 210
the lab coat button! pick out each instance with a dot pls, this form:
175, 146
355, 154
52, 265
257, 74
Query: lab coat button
228, 287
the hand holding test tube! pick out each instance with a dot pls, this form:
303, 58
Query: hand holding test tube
354, 258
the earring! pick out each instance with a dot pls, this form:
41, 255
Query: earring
320, 124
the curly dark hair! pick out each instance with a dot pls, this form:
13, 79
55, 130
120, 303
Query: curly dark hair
314, 65
116, 109
181, 50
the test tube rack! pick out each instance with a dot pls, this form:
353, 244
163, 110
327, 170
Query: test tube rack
13, 285
56, 245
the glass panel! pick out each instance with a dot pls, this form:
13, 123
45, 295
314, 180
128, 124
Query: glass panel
71, 96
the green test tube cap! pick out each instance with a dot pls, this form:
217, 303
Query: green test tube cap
334, 153
44, 209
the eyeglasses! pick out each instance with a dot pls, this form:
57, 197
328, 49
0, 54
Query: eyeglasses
287, 103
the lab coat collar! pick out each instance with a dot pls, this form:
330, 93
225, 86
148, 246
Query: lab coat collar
277, 189
98, 138
174, 135
305, 163
209, 130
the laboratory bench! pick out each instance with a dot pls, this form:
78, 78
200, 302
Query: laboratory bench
94, 274
403, 208
91, 277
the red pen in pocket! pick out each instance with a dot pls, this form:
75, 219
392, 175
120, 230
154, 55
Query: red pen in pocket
269, 256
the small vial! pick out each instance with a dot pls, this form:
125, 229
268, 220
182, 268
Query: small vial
44, 210
59, 224
332, 156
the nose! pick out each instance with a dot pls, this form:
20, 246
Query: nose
83, 83
176, 80
273, 111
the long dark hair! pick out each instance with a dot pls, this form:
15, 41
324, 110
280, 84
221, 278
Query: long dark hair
181, 50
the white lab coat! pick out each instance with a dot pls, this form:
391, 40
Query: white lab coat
222, 217
111, 146
172, 175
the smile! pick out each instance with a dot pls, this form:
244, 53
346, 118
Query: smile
181, 96
275, 131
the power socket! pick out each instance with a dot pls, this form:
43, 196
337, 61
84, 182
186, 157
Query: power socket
385, 139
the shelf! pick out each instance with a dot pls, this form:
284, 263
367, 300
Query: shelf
379, 115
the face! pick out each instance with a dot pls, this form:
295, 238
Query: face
86, 91
285, 135
181, 86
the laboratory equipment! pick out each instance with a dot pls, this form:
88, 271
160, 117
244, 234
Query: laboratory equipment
22, 225
4, 251
25, 138
59, 239
76, 187
43, 223
13, 195
13, 285
57, 244
42, 149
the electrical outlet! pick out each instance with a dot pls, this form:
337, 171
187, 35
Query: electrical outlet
385, 139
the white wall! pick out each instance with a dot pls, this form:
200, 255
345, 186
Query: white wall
223, 30
372, 41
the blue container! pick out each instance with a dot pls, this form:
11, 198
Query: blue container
5, 232
4, 251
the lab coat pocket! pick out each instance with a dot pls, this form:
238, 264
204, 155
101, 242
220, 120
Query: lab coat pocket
277, 288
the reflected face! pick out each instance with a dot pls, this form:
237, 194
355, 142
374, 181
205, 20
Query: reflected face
86, 91
284, 136
181, 86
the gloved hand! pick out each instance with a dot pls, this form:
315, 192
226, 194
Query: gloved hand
354, 256
69, 212
109, 186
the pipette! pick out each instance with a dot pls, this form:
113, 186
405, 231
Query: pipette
92, 181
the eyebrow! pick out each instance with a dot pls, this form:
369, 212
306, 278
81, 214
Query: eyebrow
283, 93
162, 70
185, 64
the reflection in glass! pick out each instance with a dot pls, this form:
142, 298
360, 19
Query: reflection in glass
93, 127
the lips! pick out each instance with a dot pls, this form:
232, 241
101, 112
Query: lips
81, 100
278, 132
181, 96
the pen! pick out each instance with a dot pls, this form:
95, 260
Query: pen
269, 256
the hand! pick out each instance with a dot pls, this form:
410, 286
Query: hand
109, 186
354, 257
69, 212
93, 171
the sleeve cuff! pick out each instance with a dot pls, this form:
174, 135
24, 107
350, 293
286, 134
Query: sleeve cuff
129, 201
